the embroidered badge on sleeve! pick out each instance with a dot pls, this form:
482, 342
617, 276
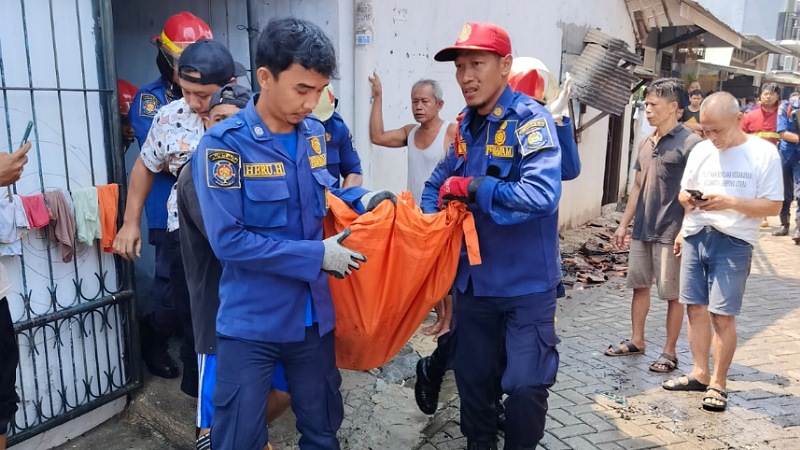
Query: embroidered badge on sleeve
223, 169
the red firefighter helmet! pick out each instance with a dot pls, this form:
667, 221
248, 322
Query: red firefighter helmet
530, 76
125, 93
180, 31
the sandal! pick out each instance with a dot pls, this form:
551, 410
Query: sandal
618, 350
664, 364
716, 399
677, 384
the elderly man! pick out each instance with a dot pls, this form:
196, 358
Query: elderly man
427, 140
731, 181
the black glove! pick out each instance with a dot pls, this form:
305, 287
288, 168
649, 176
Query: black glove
371, 200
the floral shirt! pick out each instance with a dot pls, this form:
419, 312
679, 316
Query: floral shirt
172, 139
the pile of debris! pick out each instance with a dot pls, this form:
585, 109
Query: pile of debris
588, 257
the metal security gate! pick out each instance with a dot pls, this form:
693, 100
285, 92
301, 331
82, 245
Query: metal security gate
73, 320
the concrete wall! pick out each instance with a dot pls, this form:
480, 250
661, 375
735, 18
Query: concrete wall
404, 54
406, 35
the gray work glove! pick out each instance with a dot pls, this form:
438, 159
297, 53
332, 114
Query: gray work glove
371, 200
339, 260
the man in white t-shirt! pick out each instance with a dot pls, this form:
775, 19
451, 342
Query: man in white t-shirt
731, 181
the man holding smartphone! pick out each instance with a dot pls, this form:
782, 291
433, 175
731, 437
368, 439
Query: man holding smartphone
11, 165
740, 179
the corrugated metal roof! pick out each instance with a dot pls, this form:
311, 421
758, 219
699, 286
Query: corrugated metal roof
603, 74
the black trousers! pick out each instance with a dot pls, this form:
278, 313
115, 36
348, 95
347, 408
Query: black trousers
9, 359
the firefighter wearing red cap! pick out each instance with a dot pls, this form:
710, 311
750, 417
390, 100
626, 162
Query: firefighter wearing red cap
506, 166
179, 31
531, 77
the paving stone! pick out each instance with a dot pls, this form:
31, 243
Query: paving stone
580, 442
550, 442
573, 430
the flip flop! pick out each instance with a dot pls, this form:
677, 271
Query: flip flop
670, 363
617, 350
691, 384
716, 399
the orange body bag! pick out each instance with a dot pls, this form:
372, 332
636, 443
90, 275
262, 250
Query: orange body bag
412, 260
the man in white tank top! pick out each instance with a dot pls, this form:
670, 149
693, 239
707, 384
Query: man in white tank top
427, 141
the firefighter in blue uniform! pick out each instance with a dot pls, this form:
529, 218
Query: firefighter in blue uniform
261, 181
343, 160
179, 31
789, 147
506, 165
431, 369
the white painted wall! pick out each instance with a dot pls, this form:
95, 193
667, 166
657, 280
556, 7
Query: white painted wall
407, 33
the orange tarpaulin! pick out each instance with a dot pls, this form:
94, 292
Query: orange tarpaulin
411, 264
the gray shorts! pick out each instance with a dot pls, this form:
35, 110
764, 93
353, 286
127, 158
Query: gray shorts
654, 261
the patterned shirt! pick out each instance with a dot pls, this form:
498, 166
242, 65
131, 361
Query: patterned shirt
172, 139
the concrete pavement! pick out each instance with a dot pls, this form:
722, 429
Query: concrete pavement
764, 410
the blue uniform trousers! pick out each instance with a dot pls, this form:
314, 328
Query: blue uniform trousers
531, 364
183, 312
163, 311
244, 376
791, 185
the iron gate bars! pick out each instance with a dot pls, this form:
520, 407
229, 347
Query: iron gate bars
75, 322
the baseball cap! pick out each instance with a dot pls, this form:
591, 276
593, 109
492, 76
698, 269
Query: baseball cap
478, 36
230, 94
212, 59
326, 105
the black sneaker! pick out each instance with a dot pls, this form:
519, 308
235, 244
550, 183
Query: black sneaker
429, 383
472, 445
154, 351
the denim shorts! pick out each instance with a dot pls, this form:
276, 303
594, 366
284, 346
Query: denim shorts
714, 271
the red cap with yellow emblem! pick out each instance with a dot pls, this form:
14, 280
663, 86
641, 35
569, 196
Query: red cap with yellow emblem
478, 36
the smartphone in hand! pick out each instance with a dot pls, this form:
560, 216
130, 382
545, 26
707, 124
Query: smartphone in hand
697, 195
27, 132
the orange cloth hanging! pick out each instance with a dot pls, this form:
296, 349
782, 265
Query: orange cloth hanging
108, 203
412, 260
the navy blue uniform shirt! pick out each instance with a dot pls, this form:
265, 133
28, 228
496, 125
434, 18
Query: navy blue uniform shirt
144, 107
342, 156
263, 214
787, 123
516, 207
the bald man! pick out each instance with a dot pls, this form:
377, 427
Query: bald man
731, 181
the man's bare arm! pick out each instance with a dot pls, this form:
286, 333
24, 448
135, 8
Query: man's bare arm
128, 242
378, 135
790, 137
354, 179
